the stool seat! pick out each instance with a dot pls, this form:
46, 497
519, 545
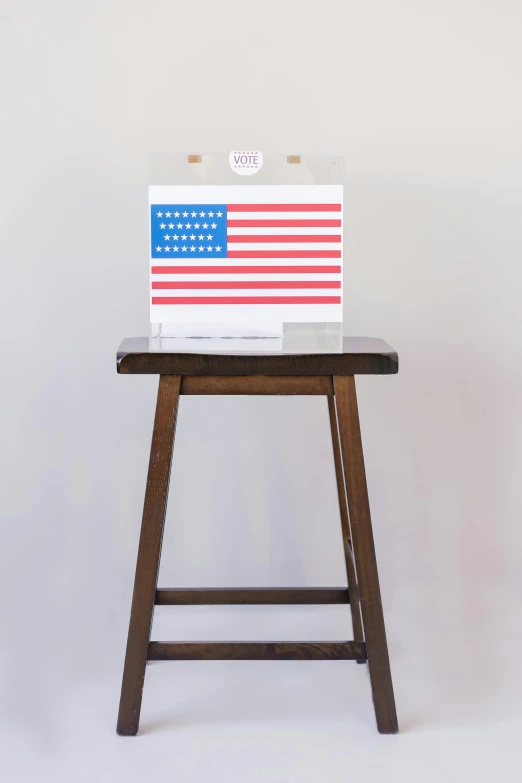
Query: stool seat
258, 372
360, 356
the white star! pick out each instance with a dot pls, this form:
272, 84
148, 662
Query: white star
158, 249
175, 249
167, 249
162, 225
171, 225
167, 236
211, 214
188, 225
205, 225
202, 214
175, 237
159, 214
219, 214
209, 248
180, 225
209, 236
218, 249
201, 236
176, 214
183, 236
192, 249
168, 214
185, 214
196, 225
214, 225
194, 214
184, 248
201, 248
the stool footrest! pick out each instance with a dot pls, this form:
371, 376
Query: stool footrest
256, 651
257, 595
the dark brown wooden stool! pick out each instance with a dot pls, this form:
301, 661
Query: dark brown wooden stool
329, 374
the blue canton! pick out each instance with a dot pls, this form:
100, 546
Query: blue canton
187, 231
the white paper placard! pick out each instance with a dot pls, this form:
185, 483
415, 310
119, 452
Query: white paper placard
246, 254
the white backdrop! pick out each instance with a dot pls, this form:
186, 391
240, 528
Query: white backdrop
424, 100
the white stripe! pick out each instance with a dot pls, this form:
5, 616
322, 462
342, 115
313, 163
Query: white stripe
178, 293
303, 231
281, 216
271, 246
288, 277
232, 262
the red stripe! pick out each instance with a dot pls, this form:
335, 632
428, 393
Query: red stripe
193, 284
221, 300
284, 208
284, 254
284, 238
283, 223
242, 270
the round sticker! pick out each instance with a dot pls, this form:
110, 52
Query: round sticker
245, 163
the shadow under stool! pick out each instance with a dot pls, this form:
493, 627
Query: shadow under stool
242, 373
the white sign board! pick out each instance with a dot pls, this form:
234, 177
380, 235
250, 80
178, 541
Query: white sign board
246, 254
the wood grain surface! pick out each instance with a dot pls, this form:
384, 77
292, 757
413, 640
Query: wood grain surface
360, 355
149, 552
364, 551
345, 525
259, 595
255, 651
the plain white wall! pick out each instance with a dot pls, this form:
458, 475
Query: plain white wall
424, 100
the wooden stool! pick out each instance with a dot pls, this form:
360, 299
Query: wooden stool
331, 375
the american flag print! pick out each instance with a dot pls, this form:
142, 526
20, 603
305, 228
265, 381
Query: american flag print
262, 253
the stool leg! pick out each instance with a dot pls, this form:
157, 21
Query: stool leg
345, 526
149, 552
364, 551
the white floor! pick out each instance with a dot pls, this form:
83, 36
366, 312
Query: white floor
278, 722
